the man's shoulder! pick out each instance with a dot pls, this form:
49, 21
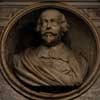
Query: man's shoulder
72, 54
80, 57
27, 51
67, 53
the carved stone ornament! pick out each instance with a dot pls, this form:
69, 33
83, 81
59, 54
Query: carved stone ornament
50, 51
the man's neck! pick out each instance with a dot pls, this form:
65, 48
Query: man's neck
52, 44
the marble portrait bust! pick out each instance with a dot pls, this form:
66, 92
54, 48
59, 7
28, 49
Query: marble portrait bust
52, 63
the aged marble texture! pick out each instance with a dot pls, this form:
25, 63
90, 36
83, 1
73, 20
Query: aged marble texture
8, 93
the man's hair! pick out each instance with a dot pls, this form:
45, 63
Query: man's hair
63, 22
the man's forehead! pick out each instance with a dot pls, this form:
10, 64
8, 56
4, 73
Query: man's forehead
51, 13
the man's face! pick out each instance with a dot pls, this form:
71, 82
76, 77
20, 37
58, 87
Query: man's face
50, 28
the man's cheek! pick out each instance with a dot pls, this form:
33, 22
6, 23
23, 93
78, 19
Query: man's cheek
42, 30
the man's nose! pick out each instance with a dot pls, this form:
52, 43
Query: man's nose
49, 26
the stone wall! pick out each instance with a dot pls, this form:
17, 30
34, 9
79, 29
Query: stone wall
9, 9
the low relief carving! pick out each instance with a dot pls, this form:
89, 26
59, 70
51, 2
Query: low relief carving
8, 12
52, 63
49, 52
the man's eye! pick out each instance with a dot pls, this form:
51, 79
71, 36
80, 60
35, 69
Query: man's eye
44, 23
54, 22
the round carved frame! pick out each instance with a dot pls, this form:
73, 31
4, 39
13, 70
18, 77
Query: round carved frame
35, 95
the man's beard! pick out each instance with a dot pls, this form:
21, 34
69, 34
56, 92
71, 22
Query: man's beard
50, 39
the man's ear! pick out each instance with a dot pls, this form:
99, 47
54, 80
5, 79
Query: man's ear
64, 24
65, 27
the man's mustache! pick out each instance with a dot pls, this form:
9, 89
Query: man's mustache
46, 33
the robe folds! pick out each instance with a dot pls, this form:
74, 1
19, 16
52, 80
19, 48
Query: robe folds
55, 66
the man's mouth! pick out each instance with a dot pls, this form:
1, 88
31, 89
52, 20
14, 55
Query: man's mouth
49, 33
